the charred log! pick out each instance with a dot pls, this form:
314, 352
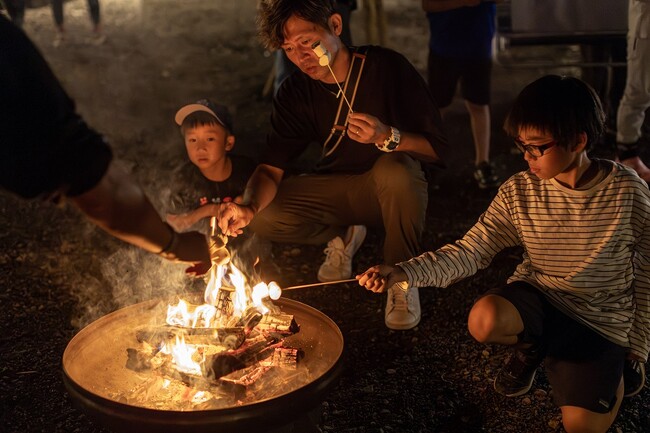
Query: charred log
250, 353
231, 338
280, 323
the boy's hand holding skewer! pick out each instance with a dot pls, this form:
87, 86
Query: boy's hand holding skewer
379, 277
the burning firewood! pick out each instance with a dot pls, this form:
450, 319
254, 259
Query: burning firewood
250, 353
282, 357
230, 338
283, 324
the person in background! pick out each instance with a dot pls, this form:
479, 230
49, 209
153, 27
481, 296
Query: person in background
47, 151
16, 10
636, 97
370, 171
460, 50
376, 23
580, 299
98, 37
609, 83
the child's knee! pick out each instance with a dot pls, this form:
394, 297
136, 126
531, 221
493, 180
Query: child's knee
579, 420
482, 320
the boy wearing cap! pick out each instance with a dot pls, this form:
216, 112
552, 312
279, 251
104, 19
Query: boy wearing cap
221, 177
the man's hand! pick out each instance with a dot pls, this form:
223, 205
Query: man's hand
365, 128
234, 217
378, 278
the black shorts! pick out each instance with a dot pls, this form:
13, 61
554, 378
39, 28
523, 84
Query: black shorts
583, 368
475, 77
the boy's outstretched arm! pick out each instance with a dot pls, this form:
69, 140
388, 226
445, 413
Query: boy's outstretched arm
378, 277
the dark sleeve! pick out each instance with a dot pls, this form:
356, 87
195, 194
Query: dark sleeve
292, 122
242, 170
411, 106
46, 149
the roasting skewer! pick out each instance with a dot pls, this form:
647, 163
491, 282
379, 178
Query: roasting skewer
304, 286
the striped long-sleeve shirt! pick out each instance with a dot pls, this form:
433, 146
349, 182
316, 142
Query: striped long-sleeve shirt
587, 250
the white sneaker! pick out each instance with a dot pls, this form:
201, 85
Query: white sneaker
402, 307
338, 263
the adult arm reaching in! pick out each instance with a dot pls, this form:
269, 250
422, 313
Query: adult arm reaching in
260, 192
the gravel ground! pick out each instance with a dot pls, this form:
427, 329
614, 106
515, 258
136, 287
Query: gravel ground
59, 273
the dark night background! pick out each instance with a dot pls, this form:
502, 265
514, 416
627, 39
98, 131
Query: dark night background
59, 273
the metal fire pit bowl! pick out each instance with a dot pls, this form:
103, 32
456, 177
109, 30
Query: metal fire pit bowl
94, 366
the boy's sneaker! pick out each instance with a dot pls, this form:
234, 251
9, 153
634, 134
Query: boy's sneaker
402, 307
633, 377
516, 377
485, 177
338, 263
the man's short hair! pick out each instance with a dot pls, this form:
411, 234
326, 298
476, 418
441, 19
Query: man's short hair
558, 105
273, 14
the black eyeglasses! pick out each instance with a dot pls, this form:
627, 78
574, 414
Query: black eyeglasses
534, 150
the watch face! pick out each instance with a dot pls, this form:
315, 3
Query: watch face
393, 140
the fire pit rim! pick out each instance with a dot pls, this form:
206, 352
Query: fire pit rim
270, 412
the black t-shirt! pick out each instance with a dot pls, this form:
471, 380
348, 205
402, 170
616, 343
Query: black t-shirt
390, 89
46, 149
194, 190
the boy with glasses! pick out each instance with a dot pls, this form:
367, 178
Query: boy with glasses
580, 298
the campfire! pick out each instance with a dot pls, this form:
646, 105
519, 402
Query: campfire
227, 351
206, 363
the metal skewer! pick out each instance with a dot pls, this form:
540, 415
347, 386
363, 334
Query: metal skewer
304, 286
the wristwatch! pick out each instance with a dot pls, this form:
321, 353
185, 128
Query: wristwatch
391, 143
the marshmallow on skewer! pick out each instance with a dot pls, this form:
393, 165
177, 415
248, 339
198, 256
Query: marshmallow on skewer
324, 56
324, 59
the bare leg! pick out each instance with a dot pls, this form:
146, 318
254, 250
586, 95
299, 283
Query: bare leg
57, 13
479, 116
93, 11
493, 319
577, 419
